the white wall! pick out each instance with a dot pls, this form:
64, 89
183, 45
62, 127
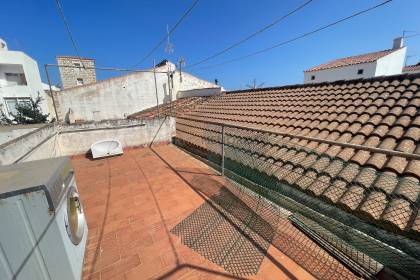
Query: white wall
75, 141
15, 61
64, 140
341, 73
119, 97
10, 132
391, 64
199, 92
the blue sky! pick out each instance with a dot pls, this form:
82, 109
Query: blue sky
120, 33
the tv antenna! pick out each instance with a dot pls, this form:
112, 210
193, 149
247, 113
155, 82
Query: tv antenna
169, 48
254, 85
181, 63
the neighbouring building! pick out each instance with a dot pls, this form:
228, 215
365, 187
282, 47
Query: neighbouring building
380, 63
119, 97
76, 71
19, 81
415, 68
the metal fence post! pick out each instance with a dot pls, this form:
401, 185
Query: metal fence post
223, 150
156, 89
51, 92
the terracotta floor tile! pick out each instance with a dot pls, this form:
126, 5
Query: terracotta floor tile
120, 268
133, 201
149, 267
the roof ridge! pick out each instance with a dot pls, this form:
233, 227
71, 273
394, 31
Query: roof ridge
338, 82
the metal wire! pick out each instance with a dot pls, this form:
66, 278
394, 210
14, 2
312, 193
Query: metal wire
252, 35
297, 37
364, 214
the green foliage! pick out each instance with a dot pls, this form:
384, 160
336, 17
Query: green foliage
27, 114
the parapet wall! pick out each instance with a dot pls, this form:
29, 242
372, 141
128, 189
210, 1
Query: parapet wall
65, 140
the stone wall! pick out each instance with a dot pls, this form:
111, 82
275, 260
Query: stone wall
69, 75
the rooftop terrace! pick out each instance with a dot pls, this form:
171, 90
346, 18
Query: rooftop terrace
147, 209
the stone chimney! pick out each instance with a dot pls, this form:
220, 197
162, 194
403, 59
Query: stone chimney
398, 43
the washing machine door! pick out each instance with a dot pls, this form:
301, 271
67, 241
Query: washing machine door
75, 218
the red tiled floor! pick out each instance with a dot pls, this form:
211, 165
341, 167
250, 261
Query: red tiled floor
131, 203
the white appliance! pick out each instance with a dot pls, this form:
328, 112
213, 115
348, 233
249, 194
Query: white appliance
106, 148
43, 231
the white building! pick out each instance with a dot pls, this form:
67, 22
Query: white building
118, 97
19, 80
381, 63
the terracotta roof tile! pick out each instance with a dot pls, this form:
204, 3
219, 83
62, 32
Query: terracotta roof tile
408, 187
335, 191
374, 205
413, 168
379, 112
352, 197
411, 68
320, 185
406, 145
366, 177
387, 182
397, 213
396, 164
413, 133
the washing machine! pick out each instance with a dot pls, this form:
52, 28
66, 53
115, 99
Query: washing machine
43, 231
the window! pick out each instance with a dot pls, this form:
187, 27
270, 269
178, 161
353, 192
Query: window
11, 104
360, 72
79, 81
77, 66
16, 79
312, 77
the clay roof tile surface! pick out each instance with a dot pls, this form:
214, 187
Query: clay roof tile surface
412, 68
379, 113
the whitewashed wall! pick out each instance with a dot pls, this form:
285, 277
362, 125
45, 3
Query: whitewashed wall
341, 73
118, 97
391, 64
13, 61
65, 140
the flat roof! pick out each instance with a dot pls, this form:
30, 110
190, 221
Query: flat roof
144, 207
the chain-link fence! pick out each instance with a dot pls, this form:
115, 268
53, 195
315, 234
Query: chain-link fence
361, 216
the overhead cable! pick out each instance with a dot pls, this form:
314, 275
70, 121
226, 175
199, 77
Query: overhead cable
298, 37
259, 31
66, 24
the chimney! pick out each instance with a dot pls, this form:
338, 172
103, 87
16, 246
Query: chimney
398, 43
